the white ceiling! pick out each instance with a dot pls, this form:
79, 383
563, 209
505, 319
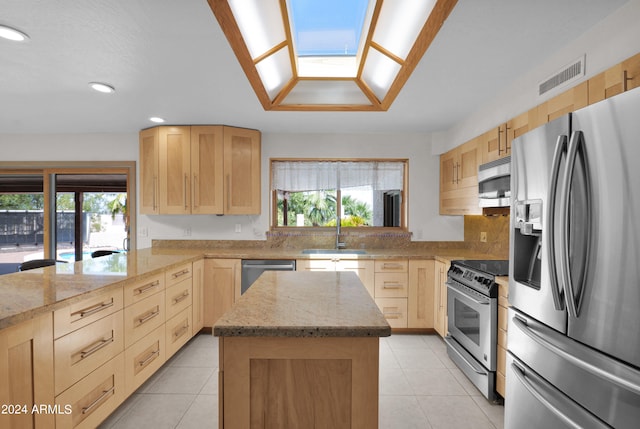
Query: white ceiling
169, 58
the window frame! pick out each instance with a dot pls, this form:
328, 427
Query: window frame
404, 194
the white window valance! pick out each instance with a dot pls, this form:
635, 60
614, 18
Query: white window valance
298, 176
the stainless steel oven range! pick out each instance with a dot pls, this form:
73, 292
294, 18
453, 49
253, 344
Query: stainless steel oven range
472, 316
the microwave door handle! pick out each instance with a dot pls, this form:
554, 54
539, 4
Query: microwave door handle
561, 147
576, 147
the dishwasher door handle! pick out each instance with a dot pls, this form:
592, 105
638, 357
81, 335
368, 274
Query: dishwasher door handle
269, 267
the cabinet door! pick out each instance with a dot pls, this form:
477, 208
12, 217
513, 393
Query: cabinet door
631, 73
520, 125
198, 299
315, 265
221, 285
207, 176
26, 371
440, 299
606, 84
242, 171
467, 170
569, 101
364, 270
493, 144
448, 166
149, 170
175, 168
421, 294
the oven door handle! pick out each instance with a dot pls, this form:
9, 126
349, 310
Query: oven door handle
466, 295
448, 339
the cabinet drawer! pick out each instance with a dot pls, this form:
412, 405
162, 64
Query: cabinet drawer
144, 358
94, 397
82, 351
178, 274
391, 285
503, 288
143, 317
392, 266
81, 313
178, 331
502, 360
178, 297
394, 310
138, 291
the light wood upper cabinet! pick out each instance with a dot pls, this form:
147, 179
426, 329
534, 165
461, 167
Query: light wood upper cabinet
569, 101
149, 171
493, 144
207, 169
242, 171
175, 170
199, 170
459, 179
615, 80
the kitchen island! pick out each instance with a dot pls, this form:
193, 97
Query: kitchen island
301, 349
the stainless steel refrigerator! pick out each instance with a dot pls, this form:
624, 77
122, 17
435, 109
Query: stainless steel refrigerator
574, 324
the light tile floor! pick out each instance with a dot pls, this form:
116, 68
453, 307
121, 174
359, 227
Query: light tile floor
420, 387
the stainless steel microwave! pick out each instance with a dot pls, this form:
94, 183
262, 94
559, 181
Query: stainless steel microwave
494, 183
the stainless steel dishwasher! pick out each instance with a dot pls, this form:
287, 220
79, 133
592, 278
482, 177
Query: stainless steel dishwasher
252, 268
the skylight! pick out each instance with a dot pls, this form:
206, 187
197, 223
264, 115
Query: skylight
323, 28
329, 54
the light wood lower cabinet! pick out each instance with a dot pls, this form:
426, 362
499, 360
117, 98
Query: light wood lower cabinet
144, 358
26, 372
82, 351
178, 331
198, 296
503, 305
440, 298
363, 268
143, 317
394, 310
221, 287
420, 294
93, 398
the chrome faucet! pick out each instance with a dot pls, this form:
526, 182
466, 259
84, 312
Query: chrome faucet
339, 244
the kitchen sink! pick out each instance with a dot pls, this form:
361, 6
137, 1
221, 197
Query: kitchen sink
333, 252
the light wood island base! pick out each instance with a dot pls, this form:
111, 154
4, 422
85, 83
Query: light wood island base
298, 382
300, 350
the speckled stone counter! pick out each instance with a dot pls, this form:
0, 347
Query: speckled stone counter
27, 294
304, 304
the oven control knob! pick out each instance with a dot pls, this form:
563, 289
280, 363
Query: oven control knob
479, 279
487, 282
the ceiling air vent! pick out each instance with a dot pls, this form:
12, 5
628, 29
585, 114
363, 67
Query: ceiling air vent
567, 74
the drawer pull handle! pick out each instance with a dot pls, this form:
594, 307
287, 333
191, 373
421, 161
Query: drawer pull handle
143, 289
148, 317
392, 285
151, 356
182, 297
181, 331
393, 315
180, 273
94, 309
97, 346
105, 393
387, 266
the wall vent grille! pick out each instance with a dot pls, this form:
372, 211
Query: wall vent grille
566, 75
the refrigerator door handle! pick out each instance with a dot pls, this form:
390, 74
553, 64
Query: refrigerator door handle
543, 340
521, 375
561, 147
576, 146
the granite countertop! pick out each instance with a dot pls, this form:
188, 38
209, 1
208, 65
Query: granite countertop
304, 304
26, 294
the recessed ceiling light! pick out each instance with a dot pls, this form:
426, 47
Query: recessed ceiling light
12, 34
156, 119
102, 87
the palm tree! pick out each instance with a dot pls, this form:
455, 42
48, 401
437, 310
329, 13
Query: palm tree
322, 208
